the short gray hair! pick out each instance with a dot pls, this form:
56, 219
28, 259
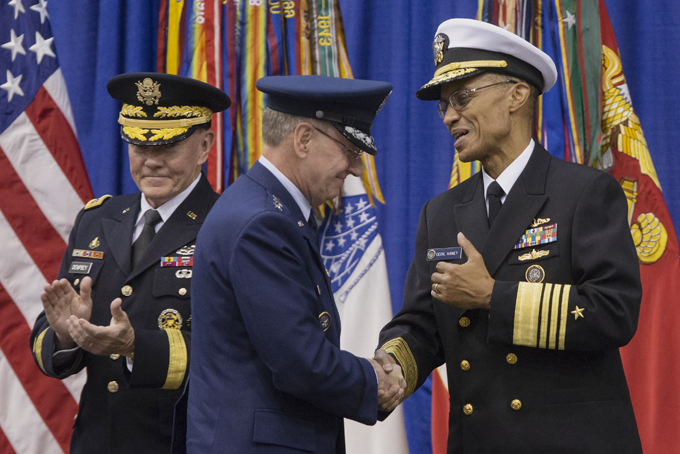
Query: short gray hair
276, 126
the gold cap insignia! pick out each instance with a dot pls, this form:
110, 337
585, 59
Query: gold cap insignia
148, 91
170, 319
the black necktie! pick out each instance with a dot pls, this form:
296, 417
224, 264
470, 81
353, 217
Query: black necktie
139, 247
312, 221
494, 193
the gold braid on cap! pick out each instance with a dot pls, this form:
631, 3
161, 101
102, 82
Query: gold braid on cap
471, 64
132, 111
193, 115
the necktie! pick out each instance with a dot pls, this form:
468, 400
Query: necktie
494, 194
139, 247
312, 220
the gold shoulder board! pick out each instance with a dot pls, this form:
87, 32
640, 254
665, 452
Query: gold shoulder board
96, 202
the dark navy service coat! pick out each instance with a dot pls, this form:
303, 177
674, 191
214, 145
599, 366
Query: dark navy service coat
121, 412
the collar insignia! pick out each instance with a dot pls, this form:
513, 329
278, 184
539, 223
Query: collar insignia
277, 203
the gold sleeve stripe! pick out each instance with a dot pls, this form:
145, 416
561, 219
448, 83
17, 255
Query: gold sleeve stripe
543, 341
527, 308
553, 320
541, 315
400, 349
37, 349
178, 359
563, 315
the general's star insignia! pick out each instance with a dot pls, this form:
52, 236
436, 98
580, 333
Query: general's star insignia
578, 312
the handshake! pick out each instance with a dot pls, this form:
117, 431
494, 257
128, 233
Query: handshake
391, 383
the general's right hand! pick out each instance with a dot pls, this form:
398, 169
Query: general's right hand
60, 301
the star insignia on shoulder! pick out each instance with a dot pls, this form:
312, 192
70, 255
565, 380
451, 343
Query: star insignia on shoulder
578, 312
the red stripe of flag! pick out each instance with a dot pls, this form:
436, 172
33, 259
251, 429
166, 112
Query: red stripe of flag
298, 36
273, 45
50, 397
58, 137
209, 34
162, 37
28, 221
5, 446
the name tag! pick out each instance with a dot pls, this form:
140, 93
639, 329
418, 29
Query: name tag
449, 253
80, 267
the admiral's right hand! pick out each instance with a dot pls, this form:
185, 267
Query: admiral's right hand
60, 301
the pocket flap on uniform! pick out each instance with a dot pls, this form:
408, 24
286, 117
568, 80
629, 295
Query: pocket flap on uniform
172, 282
276, 428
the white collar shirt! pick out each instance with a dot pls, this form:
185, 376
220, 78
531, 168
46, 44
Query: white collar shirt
509, 176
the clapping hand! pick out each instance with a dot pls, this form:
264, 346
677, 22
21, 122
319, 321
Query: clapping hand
117, 338
60, 302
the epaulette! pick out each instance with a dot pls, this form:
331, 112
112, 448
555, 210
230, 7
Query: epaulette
96, 202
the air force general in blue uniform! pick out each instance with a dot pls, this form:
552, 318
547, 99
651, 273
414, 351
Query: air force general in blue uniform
267, 373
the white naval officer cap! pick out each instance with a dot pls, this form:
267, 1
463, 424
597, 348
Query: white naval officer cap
465, 47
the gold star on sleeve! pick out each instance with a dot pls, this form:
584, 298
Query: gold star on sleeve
578, 312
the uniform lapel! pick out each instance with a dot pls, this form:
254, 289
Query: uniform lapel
118, 231
181, 228
521, 206
264, 177
471, 216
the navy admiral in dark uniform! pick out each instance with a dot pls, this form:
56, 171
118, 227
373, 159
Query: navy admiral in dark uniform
268, 374
121, 307
525, 279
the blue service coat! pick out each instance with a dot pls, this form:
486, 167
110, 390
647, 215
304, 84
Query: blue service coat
540, 372
267, 373
121, 412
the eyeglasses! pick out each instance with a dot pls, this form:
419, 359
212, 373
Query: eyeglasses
356, 154
461, 98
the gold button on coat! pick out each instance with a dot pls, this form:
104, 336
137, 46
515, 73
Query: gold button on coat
126, 291
467, 409
112, 386
465, 365
182, 291
115, 356
511, 358
76, 282
464, 322
516, 404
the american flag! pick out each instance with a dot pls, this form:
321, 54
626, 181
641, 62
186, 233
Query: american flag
43, 185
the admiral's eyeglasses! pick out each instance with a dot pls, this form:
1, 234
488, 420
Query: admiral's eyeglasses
461, 98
